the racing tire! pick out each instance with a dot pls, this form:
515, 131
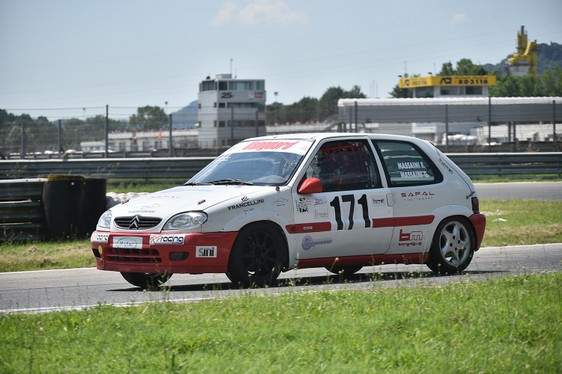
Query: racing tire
147, 281
452, 247
344, 271
256, 257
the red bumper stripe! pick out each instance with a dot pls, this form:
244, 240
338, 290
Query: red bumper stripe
302, 228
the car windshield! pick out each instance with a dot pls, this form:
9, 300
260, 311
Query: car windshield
256, 165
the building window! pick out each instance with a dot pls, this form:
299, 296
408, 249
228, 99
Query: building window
473, 90
208, 86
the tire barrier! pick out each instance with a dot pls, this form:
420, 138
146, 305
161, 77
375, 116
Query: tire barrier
60, 207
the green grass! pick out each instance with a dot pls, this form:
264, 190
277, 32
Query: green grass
504, 325
514, 222
510, 222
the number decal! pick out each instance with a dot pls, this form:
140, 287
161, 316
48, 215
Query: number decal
335, 203
351, 200
363, 202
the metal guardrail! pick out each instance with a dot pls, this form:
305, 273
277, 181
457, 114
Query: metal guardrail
510, 165
180, 169
145, 169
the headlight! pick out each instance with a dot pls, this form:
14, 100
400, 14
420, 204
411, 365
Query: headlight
105, 220
184, 221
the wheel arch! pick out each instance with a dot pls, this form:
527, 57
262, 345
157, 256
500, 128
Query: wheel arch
462, 217
279, 231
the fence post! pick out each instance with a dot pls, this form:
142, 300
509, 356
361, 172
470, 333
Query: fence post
171, 143
489, 124
446, 127
356, 121
554, 141
106, 131
22, 150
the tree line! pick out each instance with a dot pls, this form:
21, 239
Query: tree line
39, 133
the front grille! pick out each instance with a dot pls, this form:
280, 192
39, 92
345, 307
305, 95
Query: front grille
134, 255
137, 222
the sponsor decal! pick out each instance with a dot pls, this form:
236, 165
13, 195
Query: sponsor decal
246, 203
167, 239
446, 166
280, 202
150, 208
99, 238
302, 205
206, 251
127, 242
263, 145
417, 195
308, 242
410, 239
378, 200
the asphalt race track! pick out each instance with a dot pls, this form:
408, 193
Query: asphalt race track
49, 290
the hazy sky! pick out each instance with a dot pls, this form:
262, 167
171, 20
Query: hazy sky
130, 53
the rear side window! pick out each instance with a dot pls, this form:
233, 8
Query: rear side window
406, 165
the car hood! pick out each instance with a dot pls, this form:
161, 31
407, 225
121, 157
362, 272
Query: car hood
180, 199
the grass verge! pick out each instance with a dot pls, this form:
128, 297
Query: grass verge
510, 222
503, 325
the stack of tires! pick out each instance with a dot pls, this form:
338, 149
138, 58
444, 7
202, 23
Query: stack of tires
73, 204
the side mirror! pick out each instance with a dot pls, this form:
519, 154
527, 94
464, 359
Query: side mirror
310, 185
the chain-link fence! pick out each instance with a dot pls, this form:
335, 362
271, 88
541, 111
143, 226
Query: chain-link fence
116, 132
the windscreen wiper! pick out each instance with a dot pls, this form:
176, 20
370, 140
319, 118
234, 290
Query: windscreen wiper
232, 181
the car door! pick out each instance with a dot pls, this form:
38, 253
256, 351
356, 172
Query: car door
416, 189
350, 216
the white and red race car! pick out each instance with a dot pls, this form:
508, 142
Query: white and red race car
270, 204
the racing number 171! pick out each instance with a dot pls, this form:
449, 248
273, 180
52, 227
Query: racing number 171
350, 199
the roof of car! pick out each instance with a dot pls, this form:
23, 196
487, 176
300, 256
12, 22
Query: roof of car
324, 135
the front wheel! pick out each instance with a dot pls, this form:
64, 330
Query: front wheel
147, 280
453, 246
256, 257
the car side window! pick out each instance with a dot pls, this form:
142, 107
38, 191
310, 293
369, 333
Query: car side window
406, 165
345, 165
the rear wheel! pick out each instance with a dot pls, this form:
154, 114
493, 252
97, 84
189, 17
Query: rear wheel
453, 246
147, 280
256, 257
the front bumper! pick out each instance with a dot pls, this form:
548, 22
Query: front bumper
193, 253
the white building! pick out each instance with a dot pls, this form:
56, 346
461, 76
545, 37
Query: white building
230, 110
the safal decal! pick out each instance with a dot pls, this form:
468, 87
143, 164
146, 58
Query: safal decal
308, 242
417, 195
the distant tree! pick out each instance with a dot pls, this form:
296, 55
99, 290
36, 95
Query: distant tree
149, 118
549, 83
328, 104
447, 69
